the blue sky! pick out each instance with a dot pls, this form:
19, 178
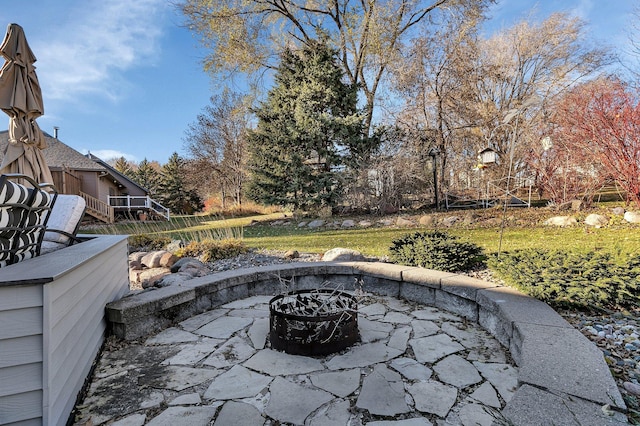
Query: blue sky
124, 77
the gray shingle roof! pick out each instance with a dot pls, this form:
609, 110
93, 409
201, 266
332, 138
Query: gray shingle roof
57, 155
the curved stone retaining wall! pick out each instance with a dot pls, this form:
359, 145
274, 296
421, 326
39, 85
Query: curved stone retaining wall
563, 378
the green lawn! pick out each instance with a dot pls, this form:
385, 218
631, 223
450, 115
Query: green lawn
376, 241
258, 232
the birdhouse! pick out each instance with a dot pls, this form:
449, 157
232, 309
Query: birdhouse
488, 156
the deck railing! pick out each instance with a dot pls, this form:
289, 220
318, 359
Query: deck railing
515, 192
99, 209
138, 202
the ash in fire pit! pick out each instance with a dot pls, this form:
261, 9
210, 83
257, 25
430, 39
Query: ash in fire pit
313, 322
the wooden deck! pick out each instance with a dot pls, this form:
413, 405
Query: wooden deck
133, 204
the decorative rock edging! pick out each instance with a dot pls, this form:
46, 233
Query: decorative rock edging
562, 375
597, 219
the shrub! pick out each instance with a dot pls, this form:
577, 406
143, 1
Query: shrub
436, 250
563, 279
144, 242
212, 250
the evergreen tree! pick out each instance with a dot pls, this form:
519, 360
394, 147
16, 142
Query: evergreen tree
307, 125
123, 166
172, 190
148, 177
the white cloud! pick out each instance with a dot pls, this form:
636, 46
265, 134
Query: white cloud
110, 154
583, 9
89, 51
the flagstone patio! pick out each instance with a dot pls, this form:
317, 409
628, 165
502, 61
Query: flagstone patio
416, 364
433, 352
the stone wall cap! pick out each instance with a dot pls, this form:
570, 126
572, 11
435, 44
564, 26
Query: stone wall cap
465, 286
428, 277
390, 271
531, 406
515, 306
148, 301
580, 371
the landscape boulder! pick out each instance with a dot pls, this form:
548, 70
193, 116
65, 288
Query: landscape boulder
182, 261
575, 205
316, 223
135, 265
173, 279
618, 211
291, 254
632, 217
560, 221
160, 258
136, 257
427, 220
146, 278
339, 254
348, 223
632, 388
450, 220
364, 223
596, 220
194, 268
401, 221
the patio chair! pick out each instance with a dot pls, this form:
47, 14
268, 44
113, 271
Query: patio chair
25, 206
63, 223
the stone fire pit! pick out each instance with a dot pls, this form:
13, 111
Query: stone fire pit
313, 322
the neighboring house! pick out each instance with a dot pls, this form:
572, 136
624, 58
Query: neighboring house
105, 190
132, 198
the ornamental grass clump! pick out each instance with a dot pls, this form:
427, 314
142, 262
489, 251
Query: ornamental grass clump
212, 250
145, 242
601, 280
436, 250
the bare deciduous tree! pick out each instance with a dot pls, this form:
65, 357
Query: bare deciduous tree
521, 70
248, 35
216, 142
437, 83
476, 92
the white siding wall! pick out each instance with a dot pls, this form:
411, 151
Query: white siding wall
50, 334
20, 353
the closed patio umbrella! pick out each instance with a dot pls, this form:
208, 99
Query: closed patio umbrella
21, 100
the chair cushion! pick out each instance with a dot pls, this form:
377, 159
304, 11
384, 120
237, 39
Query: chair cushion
23, 215
13, 211
13, 203
65, 216
13, 193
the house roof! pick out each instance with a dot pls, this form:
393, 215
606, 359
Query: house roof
58, 155
115, 173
